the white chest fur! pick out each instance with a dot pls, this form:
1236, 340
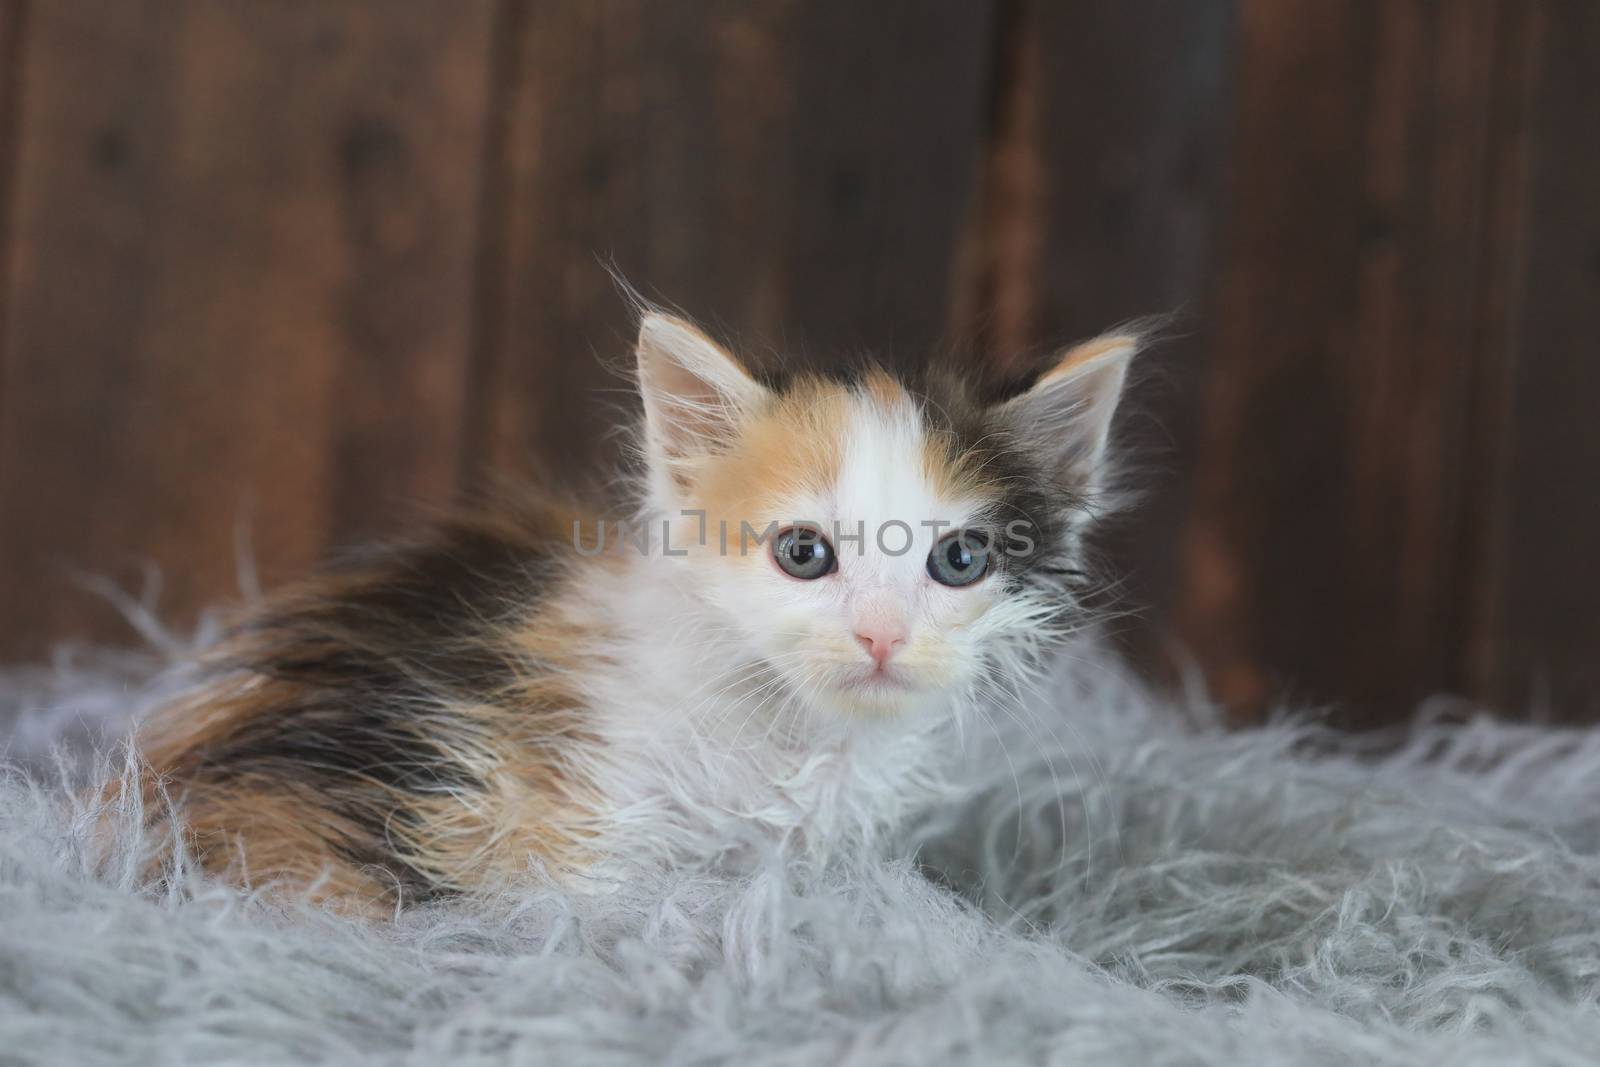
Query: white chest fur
701, 752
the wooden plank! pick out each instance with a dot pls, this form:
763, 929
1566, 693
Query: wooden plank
1339, 534
11, 35
1541, 653
240, 292
1103, 190
795, 173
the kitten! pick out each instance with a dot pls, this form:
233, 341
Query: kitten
821, 580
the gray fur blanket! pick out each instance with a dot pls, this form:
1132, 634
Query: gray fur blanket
1126, 883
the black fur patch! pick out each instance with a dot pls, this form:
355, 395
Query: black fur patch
413, 614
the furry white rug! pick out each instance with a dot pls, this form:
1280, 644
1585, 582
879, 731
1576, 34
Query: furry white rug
1132, 884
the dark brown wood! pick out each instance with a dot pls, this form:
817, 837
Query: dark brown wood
1543, 653
294, 268
11, 33
1104, 190
239, 290
795, 174
1344, 481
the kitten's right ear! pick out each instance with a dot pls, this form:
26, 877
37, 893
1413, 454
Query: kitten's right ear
694, 391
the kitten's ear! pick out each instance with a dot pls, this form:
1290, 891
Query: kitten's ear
1068, 411
694, 391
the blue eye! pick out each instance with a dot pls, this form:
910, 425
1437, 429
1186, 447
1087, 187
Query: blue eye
802, 552
959, 558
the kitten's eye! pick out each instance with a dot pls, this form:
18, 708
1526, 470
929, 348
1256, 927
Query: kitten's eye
960, 558
803, 553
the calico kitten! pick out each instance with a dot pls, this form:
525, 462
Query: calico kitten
822, 578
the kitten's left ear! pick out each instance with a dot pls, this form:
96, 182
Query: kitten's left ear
1068, 411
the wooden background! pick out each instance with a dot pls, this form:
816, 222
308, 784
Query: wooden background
288, 270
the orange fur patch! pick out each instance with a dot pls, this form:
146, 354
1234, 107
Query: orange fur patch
1082, 355
954, 475
793, 447
255, 833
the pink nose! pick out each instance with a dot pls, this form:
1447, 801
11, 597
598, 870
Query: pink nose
880, 643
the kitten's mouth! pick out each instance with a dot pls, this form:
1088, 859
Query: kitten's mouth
878, 681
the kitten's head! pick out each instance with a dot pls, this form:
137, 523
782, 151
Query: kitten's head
881, 543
